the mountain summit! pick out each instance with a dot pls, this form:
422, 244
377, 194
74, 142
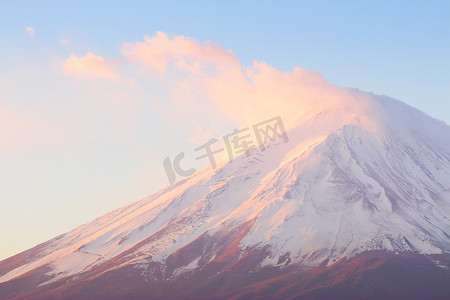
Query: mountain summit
357, 202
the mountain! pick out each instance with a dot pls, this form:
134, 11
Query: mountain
356, 205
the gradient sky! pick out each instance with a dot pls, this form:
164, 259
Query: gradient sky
87, 118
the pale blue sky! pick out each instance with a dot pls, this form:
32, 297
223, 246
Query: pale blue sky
396, 48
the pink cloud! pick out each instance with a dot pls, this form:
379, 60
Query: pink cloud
208, 87
30, 30
185, 53
89, 66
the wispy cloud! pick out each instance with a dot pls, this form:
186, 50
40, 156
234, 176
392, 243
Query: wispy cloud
208, 82
204, 88
30, 30
184, 53
89, 66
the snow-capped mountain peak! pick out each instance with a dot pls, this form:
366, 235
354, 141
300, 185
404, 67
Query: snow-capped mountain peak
348, 181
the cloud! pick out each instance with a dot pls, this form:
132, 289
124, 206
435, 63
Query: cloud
204, 89
30, 30
89, 66
208, 85
64, 41
185, 53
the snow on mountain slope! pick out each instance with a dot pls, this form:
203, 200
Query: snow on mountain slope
345, 182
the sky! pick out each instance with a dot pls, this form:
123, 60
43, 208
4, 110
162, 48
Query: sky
94, 95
